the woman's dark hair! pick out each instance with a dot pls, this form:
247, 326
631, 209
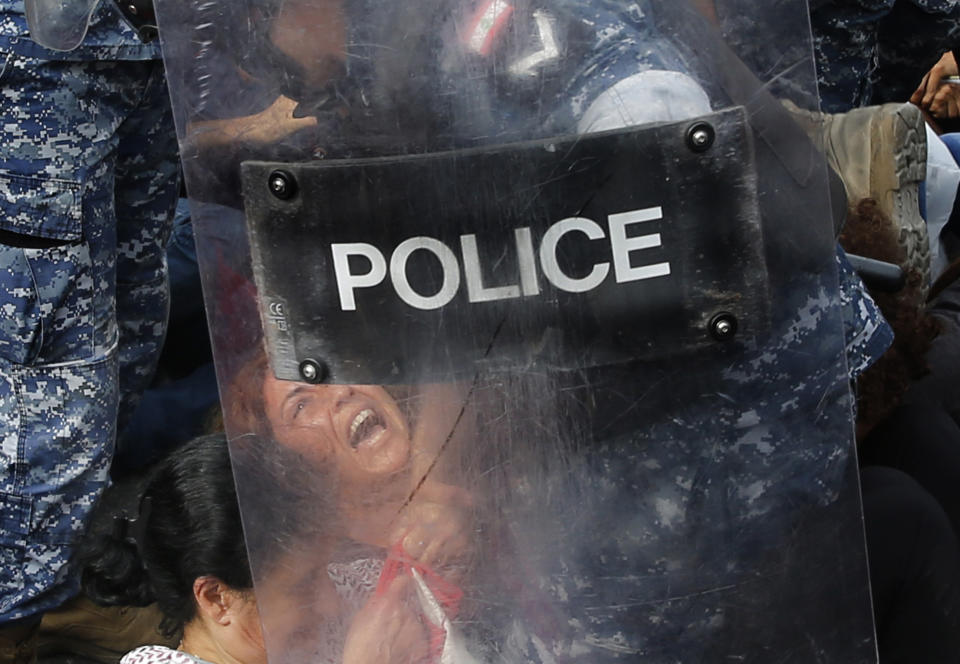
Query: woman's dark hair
184, 525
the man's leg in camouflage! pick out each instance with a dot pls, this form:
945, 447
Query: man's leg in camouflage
58, 333
147, 187
845, 42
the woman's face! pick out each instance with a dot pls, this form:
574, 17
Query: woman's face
246, 643
359, 427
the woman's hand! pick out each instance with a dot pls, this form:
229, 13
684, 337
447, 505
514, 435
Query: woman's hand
436, 528
388, 629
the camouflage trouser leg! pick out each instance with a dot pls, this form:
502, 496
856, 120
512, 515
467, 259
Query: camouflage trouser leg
860, 44
64, 153
147, 189
846, 47
912, 38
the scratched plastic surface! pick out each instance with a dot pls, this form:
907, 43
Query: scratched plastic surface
510, 504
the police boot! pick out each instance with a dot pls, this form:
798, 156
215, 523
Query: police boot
96, 633
18, 644
880, 152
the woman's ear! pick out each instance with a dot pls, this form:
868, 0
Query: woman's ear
213, 599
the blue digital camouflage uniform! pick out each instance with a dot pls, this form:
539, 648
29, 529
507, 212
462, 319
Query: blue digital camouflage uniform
88, 182
876, 51
525, 66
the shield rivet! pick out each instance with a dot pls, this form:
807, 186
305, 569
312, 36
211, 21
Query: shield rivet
132, 9
723, 326
700, 137
313, 372
282, 185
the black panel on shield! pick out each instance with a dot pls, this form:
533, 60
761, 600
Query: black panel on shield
564, 253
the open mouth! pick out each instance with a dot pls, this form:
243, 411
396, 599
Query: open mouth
366, 428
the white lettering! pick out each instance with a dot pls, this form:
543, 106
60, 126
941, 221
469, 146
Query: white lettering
346, 281
528, 264
448, 262
476, 292
622, 250
622, 245
548, 255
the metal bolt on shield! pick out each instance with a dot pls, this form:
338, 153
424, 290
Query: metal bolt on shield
723, 326
282, 185
700, 137
312, 371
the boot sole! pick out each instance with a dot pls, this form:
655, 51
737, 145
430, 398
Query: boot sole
895, 183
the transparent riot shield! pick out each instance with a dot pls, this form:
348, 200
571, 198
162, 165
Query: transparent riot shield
529, 327
59, 24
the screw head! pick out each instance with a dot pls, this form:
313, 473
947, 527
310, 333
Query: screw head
313, 371
700, 136
132, 8
723, 326
282, 184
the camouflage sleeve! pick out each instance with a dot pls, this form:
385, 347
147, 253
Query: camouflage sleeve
866, 331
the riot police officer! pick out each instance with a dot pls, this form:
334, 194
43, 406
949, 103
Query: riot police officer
88, 169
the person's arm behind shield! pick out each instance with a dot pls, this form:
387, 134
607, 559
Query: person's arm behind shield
936, 94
